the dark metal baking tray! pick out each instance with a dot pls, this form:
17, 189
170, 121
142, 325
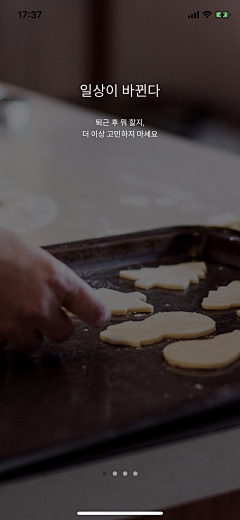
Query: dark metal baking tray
84, 399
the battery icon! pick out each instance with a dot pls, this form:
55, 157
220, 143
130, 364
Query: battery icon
222, 14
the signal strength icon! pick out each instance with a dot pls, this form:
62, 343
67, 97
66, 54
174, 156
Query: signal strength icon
207, 13
194, 15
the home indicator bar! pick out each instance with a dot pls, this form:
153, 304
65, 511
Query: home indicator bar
120, 513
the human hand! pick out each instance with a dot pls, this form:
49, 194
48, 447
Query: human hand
34, 286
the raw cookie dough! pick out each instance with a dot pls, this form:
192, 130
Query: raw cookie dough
122, 303
224, 297
69, 313
166, 276
204, 353
157, 327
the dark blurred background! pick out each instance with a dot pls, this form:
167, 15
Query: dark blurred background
195, 61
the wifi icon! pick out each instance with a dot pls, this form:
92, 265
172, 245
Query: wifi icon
207, 13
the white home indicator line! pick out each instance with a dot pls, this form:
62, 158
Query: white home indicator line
122, 513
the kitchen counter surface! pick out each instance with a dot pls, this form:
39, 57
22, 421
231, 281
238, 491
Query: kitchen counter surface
57, 185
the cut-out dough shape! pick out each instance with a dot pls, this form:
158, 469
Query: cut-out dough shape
162, 325
69, 313
224, 297
204, 353
122, 303
166, 276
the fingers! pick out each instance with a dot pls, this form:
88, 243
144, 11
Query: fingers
59, 326
33, 308
83, 301
54, 324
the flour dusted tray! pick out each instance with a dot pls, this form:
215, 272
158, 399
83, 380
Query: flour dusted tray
84, 398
